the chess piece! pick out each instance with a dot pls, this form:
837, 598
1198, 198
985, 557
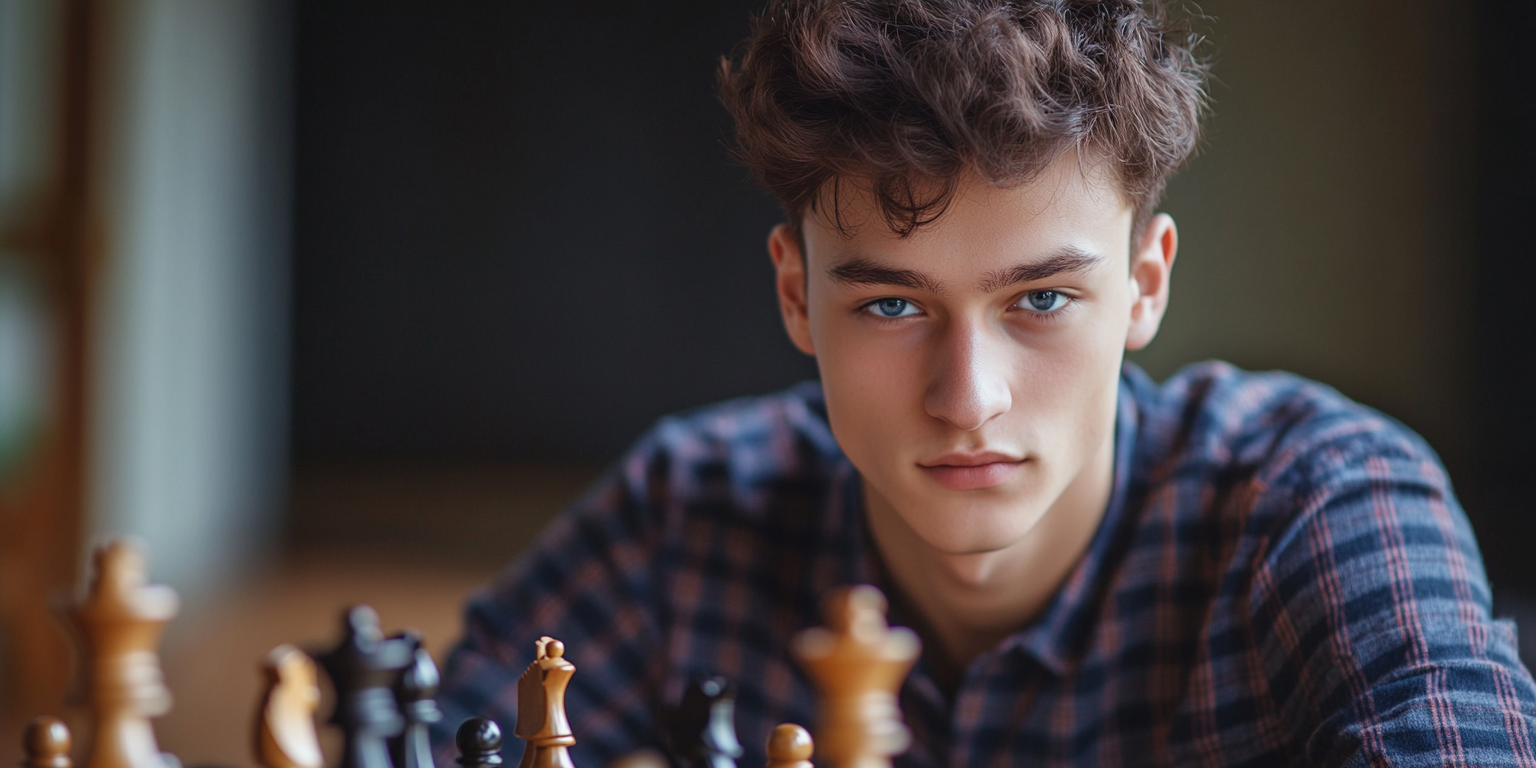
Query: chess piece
642, 758
479, 742
363, 669
46, 744
118, 627
285, 722
415, 694
789, 746
541, 716
703, 728
858, 663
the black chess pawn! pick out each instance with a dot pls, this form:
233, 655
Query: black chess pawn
363, 670
703, 727
479, 742
415, 693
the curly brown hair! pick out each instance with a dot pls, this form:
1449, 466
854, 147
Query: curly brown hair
910, 96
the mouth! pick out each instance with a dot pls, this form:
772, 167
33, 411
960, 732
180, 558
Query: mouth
971, 472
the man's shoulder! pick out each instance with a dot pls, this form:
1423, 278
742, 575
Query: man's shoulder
769, 433
1273, 427
1245, 462
745, 451
1310, 554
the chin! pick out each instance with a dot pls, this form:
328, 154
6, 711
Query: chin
976, 527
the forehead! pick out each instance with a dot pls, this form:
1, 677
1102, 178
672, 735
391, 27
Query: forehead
1072, 205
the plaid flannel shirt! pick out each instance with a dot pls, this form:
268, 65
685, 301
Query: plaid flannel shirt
1282, 577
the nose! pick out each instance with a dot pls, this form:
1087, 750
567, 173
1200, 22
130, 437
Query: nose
968, 386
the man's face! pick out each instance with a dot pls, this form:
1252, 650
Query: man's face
971, 369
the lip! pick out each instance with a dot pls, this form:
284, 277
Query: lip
958, 459
971, 471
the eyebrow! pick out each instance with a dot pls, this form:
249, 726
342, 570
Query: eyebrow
1068, 260
861, 271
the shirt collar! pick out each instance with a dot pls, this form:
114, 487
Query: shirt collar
1060, 633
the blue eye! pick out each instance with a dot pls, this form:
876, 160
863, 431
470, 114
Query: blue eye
1044, 301
891, 308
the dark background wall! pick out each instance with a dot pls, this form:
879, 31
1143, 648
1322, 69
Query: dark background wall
1505, 337
519, 237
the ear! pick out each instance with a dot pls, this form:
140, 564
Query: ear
790, 279
1151, 269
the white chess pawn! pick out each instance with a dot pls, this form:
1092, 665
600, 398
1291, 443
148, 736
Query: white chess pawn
789, 746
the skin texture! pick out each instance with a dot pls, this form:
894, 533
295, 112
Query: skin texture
987, 363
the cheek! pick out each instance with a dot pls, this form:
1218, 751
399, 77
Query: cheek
1066, 382
870, 384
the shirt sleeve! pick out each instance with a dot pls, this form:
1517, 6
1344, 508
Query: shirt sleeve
590, 581
1372, 616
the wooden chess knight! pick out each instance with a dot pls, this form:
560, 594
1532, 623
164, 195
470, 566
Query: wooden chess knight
285, 721
541, 718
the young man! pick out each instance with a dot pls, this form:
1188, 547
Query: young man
1227, 569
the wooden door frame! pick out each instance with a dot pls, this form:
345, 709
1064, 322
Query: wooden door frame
42, 506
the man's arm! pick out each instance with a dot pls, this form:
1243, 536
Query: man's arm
1372, 615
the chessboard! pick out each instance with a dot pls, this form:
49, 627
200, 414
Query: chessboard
385, 689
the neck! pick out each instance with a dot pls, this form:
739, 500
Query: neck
970, 602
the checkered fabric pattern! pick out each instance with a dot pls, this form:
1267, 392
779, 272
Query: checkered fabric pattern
1282, 577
